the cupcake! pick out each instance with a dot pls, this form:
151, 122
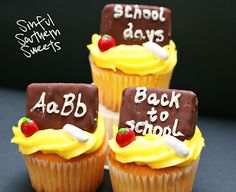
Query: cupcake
157, 144
134, 48
62, 137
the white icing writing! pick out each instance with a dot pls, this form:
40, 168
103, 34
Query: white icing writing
67, 108
152, 114
164, 116
80, 107
136, 13
118, 11
38, 36
52, 107
152, 35
140, 95
154, 100
69, 98
40, 103
127, 12
144, 127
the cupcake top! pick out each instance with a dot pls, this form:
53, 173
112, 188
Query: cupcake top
125, 30
61, 118
157, 128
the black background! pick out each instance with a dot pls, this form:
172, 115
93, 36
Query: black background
204, 32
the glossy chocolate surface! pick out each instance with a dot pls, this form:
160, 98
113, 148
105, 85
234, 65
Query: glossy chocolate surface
55, 92
116, 26
186, 113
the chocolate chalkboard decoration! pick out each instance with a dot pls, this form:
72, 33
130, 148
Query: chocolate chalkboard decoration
136, 24
52, 105
159, 111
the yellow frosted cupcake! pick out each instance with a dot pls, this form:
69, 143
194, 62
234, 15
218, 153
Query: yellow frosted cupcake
159, 148
63, 139
134, 48
128, 66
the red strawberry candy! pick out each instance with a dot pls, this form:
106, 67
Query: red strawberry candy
28, 127
125, 136
106, 42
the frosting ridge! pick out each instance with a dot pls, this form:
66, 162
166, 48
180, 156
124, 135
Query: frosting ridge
150, 150
58, 141
133, 59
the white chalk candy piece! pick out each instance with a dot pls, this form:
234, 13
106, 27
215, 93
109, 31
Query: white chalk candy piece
178, 146
156, 50
76, 132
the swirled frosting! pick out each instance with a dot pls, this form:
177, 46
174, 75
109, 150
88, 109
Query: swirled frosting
150, 150
58, 141
133, 59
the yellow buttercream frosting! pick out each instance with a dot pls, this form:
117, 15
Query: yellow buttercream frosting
150, 150
133, 59
58, 141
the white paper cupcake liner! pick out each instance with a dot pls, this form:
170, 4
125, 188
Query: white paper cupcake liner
178, 180
83, 175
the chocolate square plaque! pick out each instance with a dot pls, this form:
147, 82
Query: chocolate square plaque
52, 105
159, 111
136, 24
